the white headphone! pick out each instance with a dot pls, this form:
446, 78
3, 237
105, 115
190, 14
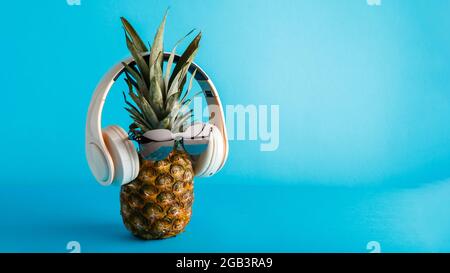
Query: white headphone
113, 158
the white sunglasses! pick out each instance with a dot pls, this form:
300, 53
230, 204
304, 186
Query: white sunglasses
157, 144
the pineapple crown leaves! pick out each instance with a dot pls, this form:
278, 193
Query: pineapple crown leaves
156, 95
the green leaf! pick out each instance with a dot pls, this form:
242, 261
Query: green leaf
175, 109
188, 55
170, 61
138, 119
148, 112
184, 76
131, 105
190, 85
129, 84
156, 92
181, 77
156, 95
143, 127
179, 122
156, 59
186, 101
134, 36
171, 101
174, 86
156, 53
136, 115
139, 59
174, 112
140, 83
132, 85
135, 99
165, 123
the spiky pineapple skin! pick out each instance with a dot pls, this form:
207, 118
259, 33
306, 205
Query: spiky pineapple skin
158, 203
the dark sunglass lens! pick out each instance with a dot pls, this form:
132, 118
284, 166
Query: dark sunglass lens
195, 146
156, 151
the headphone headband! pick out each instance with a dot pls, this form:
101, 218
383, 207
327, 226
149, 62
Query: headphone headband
94, 139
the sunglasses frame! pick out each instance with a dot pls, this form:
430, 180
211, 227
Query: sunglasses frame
175, 142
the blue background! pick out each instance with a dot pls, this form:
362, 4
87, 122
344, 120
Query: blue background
364, 135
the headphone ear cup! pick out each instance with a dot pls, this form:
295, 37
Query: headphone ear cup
210, 161
123, 154
217, 158
203, 162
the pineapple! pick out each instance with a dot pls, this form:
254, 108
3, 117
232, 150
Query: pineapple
158, 203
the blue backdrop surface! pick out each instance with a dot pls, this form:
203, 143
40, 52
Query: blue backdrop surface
364, 141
